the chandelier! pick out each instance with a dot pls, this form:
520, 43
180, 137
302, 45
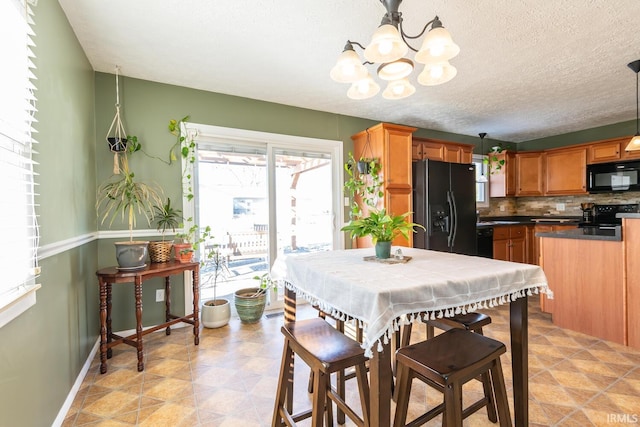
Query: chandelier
388, 47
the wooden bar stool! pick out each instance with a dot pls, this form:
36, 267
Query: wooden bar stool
471, 322
446, 363
325, 350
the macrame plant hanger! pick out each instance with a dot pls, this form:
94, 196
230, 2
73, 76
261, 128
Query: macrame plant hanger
117, 142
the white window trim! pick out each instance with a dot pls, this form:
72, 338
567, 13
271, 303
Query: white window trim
480, 158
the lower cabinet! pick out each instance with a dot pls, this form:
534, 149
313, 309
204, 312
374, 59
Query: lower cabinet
510, 243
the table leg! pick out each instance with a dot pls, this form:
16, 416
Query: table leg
109, 328
381, 382
103, 326
520, 360
290, 316
196, 305
167, 302
138, 295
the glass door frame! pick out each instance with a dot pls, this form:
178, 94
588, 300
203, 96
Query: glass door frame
211, 134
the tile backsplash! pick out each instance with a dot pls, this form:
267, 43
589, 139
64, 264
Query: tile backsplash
538, 206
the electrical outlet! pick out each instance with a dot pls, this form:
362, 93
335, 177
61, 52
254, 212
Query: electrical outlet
560, 207
346, 201
502, 208
159, 295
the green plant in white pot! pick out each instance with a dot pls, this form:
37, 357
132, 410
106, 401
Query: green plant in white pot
382, 228
214, 267
122, 195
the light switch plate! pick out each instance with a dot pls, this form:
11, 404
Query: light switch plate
560, 207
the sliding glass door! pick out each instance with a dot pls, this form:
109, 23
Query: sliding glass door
265, 199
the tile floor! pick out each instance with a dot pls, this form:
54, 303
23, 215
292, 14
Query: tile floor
230, 378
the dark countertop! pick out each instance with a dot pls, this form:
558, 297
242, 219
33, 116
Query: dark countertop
493, 221
614, 234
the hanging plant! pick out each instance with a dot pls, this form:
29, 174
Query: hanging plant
368, 187
187, 146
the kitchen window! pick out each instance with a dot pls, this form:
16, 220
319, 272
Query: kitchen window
482, 180
18, 225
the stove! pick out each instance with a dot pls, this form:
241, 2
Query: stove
604, 216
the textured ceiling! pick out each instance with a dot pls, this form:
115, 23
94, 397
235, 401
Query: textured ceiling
527, 68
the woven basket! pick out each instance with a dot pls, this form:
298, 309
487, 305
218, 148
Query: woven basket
160, 251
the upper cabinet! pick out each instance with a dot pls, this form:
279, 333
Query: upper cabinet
610, 150
444, 151
392, 145
566, 171
502, 182
530, 173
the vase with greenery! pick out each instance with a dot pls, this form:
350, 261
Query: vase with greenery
122, 195
215, 266
166, 217
382, 228
250, 302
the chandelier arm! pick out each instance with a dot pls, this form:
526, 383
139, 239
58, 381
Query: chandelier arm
405, 36
357, 44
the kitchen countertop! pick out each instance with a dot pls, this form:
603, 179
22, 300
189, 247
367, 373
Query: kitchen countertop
628, 215
614, 234
493, 221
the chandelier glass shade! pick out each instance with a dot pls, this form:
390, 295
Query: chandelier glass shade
634, 144
388, 48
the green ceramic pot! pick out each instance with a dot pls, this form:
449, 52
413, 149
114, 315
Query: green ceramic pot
383, 250
250, 304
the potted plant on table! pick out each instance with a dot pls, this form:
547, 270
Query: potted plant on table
216, 312
190, 241
383, 228
166, 217
250, 302
122, 195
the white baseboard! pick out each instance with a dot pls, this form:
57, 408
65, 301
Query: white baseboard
64, 410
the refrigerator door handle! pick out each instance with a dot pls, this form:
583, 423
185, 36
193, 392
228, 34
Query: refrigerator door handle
454, 226
451, 225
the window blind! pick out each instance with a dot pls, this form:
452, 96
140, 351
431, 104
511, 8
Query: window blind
18, 220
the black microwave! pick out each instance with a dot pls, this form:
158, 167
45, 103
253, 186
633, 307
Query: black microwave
610, 177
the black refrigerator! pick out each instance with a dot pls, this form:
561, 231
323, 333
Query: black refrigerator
444, 202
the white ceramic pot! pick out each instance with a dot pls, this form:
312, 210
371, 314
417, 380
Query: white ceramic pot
216, 313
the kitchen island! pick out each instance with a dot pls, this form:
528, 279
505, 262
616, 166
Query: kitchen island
595, 280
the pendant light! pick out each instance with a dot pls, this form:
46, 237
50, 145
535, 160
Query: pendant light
634, 144
482, 177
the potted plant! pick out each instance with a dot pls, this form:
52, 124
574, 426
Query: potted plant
382, 228
494, 160
190, 241
122, 195
216, 312
364, 186
166, 217
250, 302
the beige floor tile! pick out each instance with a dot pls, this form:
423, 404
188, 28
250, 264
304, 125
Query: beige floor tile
231, 377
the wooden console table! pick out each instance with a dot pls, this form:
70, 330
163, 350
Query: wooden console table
110, 275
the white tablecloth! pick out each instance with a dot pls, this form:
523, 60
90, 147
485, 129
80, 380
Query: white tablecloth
383, 296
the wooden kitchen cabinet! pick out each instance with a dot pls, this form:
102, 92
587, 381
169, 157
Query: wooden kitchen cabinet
510, 243
631, 245
587, 280
607, 151
530, 173
444, 151
392, 145
565, 171
502, 182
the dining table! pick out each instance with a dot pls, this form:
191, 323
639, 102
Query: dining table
380, 296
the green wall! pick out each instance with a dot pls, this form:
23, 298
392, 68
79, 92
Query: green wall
43, 350
583, 136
